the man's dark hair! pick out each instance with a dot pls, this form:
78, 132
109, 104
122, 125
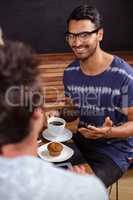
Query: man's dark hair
86, 12
18, 80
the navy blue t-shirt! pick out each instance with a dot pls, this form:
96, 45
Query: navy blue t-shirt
100, 96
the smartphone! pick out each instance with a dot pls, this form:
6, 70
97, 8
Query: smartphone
66, 165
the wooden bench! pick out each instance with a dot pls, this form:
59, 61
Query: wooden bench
52, 67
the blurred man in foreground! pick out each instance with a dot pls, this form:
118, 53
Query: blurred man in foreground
23, 175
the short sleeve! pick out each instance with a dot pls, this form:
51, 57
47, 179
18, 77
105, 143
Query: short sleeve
127, 95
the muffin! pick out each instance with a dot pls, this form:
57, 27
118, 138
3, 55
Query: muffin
55, 148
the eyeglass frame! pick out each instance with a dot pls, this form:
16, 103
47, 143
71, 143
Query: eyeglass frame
78, 34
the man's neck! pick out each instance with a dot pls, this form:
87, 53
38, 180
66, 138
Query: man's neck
24, 148
97, 63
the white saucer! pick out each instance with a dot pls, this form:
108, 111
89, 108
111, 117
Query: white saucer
66, 153
67, 135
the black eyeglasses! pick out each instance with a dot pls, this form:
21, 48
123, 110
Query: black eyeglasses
82, 36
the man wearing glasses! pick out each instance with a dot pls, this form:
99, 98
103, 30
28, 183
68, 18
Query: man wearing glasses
101, 86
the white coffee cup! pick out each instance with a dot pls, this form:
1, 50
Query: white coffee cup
56, 126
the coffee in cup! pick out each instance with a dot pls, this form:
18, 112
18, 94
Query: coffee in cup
56, 126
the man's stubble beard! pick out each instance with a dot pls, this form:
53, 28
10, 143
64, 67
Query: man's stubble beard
90, 54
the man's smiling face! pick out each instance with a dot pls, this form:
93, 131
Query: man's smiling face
83, 37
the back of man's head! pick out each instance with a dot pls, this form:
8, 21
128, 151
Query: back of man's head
18, 79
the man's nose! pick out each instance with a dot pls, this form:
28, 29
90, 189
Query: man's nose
77, 42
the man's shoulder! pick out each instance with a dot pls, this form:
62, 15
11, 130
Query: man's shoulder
45, 177
24, 164
121, 69
120, 63
73, 66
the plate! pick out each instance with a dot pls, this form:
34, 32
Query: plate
66, 135
66, 153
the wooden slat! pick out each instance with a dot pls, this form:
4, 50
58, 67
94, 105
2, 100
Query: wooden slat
54, 74
51, 70
53, 94
50, 87
55, 58
52, 83
51, 79
53, 66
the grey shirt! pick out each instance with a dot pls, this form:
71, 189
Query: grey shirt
30, 178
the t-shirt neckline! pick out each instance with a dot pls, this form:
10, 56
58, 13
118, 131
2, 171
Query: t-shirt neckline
100, 74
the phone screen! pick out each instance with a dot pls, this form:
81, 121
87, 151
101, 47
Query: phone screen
67, 165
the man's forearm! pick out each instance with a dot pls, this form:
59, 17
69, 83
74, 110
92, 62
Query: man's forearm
125, 130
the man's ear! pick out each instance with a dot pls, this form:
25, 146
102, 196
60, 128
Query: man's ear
1, 38
100, 34
37, 120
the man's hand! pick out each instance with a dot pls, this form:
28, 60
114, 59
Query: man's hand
80, 169
52, 113
48, 114
108, 122
92, 132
